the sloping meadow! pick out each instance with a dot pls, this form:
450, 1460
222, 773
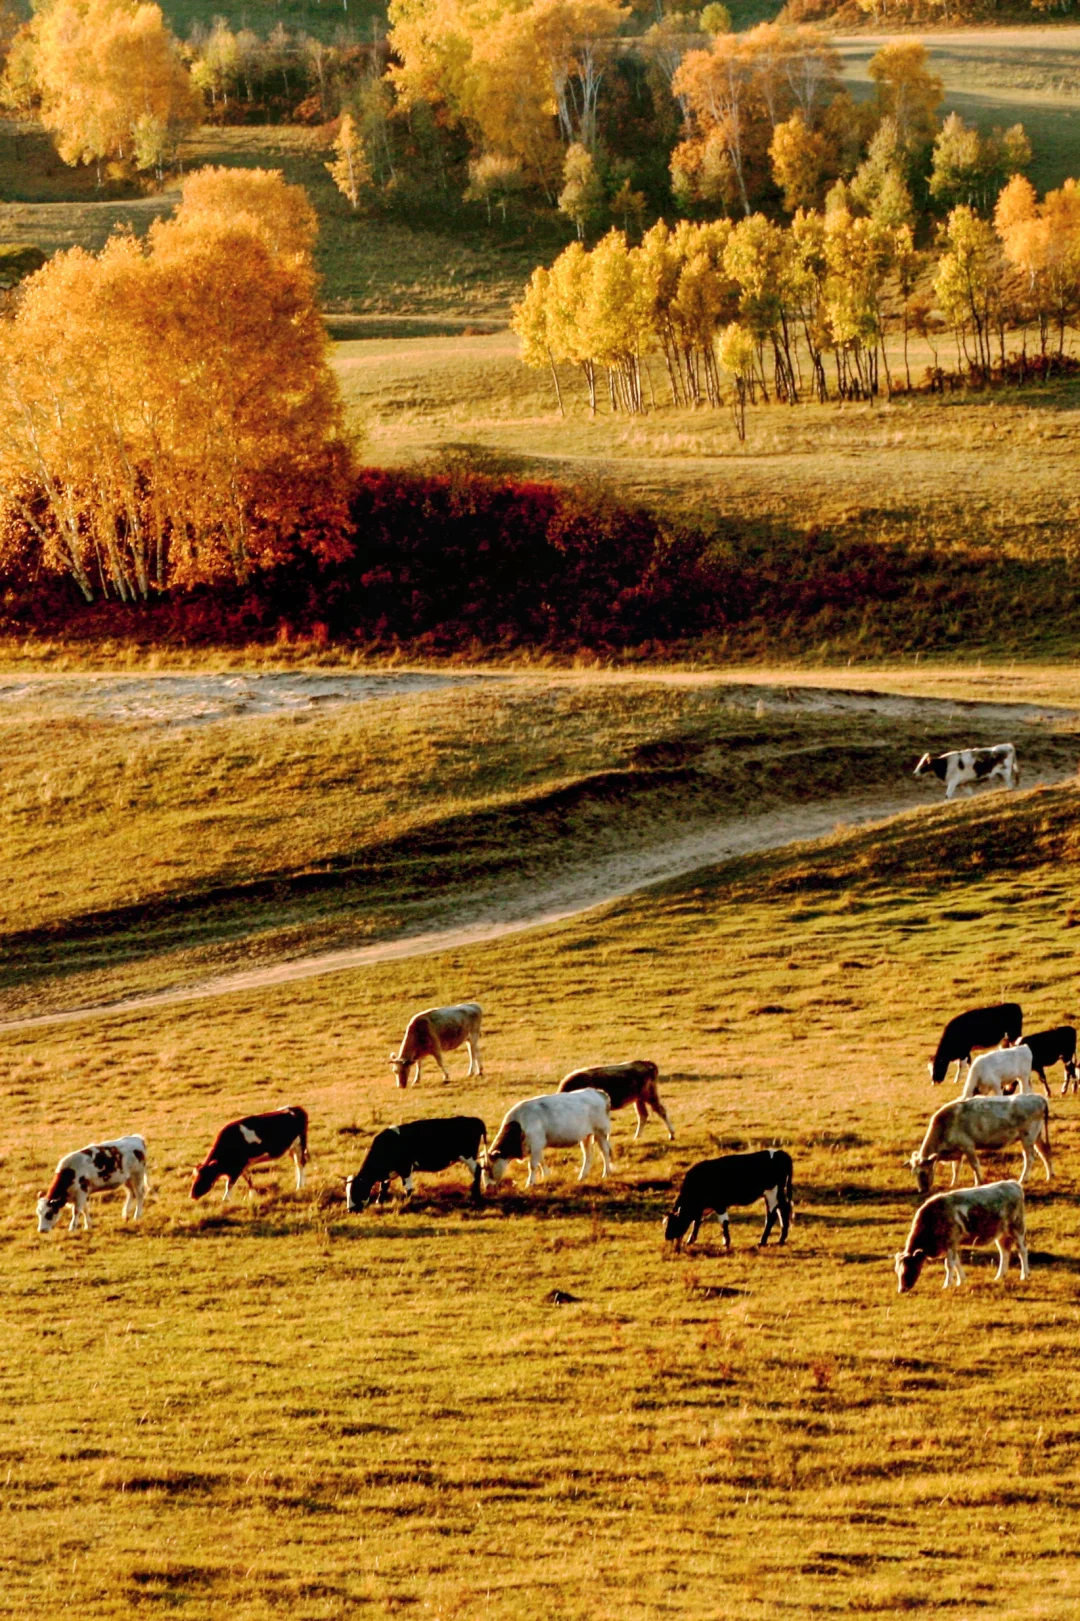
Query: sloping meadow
275, 1406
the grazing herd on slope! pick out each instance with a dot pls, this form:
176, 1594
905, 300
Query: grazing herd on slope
579, 1114
998, 1107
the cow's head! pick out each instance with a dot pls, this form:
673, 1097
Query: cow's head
48, 1213
493, 1167
358, 1192
923, 765
909, 1263
400, 1069
677, 1226
924, 1171
203, 1178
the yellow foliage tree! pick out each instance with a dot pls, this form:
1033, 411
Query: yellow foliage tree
350, 171
187, 427
111, 82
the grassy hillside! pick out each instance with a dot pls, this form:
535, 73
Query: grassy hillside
276, 1406
140, 852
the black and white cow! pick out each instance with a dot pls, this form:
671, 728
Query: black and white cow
418, 1145
117, 1164
978, 1028
736, 1179
252, 1141
965, 767
1052, 1047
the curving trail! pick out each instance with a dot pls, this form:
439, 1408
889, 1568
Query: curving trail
579, 889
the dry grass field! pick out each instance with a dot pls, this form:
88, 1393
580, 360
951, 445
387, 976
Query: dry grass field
274, 1406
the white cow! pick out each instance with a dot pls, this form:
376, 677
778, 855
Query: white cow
965, 767
990, 1072
558, 1120
960, 1129
949, 1222
436, 1031
119, 1164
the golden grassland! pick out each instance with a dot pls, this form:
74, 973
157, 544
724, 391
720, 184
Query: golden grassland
275, 1406
135, 853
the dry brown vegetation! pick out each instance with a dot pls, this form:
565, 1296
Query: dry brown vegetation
275, 1406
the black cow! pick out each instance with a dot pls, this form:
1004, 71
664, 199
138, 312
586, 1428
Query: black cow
252, 1141
418, 1145
716, 1184
1051, 1047
979, 1027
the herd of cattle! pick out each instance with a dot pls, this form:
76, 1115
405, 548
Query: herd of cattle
998, 1107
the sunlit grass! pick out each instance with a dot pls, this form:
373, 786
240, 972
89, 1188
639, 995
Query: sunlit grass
281, 1407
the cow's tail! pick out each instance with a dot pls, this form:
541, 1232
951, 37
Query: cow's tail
301, 1118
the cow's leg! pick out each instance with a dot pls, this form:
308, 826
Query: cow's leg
586, 1156
416, 1077
722, 1217
142, 1188
298, 1161
228, 1190
771, 1202
605, 1153
473, 1165
694, 1232
1042, 1148
973, 1160
1003, 1259
955, 1167
439, 1058
1027, 1163
407, 1182
1020, 1240
73, 1224
475, 1065
785, 1209
658, 1108
642, 1115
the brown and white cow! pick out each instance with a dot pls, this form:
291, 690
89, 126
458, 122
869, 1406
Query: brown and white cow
252, 1141
949, 1222
633, 1082
436, 1031
117, 1164
960, 1129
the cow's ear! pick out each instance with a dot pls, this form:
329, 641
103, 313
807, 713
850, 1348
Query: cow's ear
915, 1254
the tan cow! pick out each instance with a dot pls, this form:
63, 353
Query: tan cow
949, 1222
633, 1082
960, 1129
434, 1032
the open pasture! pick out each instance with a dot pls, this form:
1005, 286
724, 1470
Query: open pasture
275, 1406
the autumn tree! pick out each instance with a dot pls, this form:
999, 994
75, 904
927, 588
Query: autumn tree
111, 82
188, 426
969, 285
971, 168
493, 179
907, 92
1041, 242
582, 196
350, 170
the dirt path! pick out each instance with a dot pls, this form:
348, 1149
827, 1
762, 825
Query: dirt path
580, 889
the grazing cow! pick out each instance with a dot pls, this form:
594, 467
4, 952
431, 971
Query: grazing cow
1052, 1047
558, 1120
418, 1145
624, 1083
992, 1074
979, 1027
960, 1129
717, 1184
990, 1214
252, 1141
965, 767
119, 1164
438, 1030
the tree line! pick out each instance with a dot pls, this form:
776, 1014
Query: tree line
808, 310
